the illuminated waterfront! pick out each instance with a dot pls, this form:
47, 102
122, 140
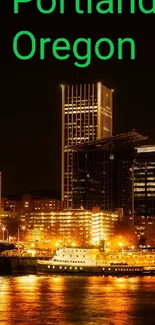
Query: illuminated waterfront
75, 300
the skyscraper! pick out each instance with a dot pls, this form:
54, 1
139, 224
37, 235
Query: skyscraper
86, 116
102, 173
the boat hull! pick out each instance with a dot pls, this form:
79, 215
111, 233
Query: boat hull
94, 270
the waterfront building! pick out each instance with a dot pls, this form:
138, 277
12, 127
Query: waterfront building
86, 116
103, 225
144, 181
102, 173
144, 193
73, 226
29, 203
117, 173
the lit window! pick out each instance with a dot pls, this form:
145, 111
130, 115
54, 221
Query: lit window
111, 156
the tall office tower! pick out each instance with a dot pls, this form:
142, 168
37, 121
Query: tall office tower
144, 181
103, 174
86, 116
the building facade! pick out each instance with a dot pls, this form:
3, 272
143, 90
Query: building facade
118, 173
144, 181
78, 226
86, 116
103, 173
28, 203
106, 173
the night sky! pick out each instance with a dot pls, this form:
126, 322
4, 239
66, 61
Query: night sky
30, 93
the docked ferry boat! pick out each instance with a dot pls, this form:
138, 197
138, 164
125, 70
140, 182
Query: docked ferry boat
95, 262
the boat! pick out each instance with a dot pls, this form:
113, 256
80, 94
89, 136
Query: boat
93, 261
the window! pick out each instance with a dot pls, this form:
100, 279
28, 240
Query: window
111, 156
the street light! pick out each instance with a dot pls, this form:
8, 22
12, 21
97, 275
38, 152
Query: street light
7, 235
121, 245
22, 228
3, 231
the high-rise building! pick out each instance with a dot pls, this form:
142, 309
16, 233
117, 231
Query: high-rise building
144, 181
86, 116
118, 173
103, 173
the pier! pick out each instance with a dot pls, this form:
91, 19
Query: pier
18, 265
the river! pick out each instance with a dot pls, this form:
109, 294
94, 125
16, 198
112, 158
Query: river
68, 300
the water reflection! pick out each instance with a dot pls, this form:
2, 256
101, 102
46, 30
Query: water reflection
4, 300
61, 300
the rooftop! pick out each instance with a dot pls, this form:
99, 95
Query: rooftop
117, 140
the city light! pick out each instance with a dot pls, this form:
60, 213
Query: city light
32, 252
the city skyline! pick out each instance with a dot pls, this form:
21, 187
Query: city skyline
77, 112
48, 190
30, 102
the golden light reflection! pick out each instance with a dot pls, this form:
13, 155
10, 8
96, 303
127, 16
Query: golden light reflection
57, 292
57, 279
72, 299
4, 300
27, 280
111, 299
29, 285
121, 283
56, 283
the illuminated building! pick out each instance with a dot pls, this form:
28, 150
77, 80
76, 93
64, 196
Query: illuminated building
8, 204
144, 181
144, 193
102, 225
28, 203
102, 172
77, 226
117, 173
86, 116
